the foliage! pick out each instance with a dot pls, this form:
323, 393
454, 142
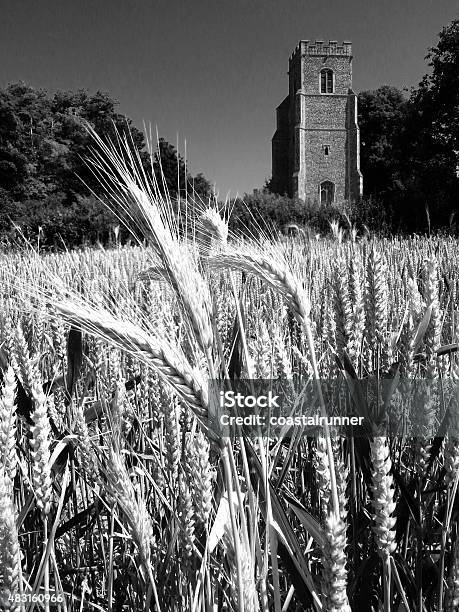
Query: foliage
432, 134
44, 180
409, 146
438, 93
261, 210
382, 116
173, 177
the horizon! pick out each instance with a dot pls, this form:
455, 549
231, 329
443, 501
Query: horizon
210, 75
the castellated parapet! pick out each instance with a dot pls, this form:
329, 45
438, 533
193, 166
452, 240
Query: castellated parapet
318, 47
316, 147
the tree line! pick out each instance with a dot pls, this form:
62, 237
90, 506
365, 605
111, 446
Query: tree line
410, 143
46, 187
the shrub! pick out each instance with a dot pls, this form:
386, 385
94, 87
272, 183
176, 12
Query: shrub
263, 209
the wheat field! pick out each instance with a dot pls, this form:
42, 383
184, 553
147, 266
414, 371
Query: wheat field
118, 493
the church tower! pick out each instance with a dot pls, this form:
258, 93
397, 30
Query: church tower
316, 147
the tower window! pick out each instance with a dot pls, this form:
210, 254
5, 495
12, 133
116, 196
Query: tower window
326, 81
327, 192
326, 150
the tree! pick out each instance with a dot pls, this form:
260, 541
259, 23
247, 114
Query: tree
433, 128
169, 168
438, 93
173, 177
44, 180
382, 116
23, 131
410, 146
42, 144
43, 140
71, 110
200, 187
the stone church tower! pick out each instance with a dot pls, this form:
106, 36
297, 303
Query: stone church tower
316, 147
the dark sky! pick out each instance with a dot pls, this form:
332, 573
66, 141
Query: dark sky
210, 71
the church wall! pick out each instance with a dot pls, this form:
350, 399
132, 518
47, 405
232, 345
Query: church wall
318, 167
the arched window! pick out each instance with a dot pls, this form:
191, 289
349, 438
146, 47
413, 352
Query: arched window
327, 192
326, 81
326, 150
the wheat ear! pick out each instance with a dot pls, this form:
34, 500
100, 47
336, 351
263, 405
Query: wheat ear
383, 497
200, 474
384, 506
8, 425
335, 573
10, 556
120, 488
40, 441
